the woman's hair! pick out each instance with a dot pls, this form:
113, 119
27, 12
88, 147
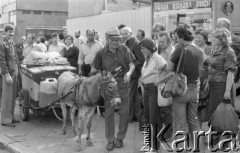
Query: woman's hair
160, 26
223, 35
203, 33
68, 36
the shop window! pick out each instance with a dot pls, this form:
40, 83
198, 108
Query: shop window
26, 12
37, 12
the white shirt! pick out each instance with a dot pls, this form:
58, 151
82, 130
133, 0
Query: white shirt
151, 70
167, 53
43, 47
28, 48
57, 48
87, 52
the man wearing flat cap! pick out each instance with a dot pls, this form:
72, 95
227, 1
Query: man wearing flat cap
116, 58
9, 72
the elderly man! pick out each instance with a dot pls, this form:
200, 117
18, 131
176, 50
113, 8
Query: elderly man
132, 44
87, 53
226, 23
9, 72
116, 58
31, 45
79, 40
56, 46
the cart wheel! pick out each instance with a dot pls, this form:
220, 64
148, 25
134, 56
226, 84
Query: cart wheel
24, 111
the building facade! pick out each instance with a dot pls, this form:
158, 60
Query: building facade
41, 17
197, 13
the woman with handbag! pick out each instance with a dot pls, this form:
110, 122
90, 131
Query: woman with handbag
223, 64
150, 74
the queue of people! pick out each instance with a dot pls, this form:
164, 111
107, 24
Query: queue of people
140, 61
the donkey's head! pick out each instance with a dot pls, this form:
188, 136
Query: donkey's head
109, 89
103, 84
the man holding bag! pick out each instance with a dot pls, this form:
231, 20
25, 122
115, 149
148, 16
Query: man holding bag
185, 107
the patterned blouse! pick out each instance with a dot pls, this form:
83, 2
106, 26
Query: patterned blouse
222, 61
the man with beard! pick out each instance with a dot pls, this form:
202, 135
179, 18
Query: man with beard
87, 53
79, 40
132, 44
9, 72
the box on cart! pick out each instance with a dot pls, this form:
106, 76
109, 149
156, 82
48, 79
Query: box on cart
41, 82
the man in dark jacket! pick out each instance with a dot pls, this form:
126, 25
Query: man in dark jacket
9, 72
132, 44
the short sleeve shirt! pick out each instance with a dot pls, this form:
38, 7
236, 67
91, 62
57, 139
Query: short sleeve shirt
104, 59
191, 63
223, 60
152, 68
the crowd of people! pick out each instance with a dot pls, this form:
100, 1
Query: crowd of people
210, 59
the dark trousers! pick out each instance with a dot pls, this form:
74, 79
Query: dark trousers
166, 118
123, 89
151, 111
134, 104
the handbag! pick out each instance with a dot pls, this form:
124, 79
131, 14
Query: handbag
163, 102
176, 84
225, 118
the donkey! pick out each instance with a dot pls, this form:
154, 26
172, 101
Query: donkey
87, 91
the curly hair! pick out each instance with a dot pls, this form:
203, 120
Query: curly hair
203, 33
185, 32
223, 35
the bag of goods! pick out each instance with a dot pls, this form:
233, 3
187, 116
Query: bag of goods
225, 118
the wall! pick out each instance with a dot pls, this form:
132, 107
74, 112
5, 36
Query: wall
47, 5
234, 17
136, 19
80, 8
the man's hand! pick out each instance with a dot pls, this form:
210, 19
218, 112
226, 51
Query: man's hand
8, 78
227, 95
127, 77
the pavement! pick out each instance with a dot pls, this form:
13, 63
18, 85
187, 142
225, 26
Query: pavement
42, 134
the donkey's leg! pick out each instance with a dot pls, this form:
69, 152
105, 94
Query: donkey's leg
89, 124
80, 127
72, 114
64, 114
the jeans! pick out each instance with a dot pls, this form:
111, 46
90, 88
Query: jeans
8, 99
185, 111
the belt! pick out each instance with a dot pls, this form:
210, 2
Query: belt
147, 85
193, 83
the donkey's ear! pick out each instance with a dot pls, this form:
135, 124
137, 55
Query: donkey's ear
104, 73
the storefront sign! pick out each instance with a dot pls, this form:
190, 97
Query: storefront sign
177, 5
228, 7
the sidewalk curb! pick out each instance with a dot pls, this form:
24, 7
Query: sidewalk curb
13, 145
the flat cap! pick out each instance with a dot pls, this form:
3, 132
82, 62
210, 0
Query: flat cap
8, 27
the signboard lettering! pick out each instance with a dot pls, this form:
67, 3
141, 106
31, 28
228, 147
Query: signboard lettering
158, 6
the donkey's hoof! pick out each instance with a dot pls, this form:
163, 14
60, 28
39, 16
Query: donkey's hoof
78, 148
64, 132
89, 144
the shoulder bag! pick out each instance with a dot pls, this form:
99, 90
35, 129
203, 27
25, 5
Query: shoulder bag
176, 84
